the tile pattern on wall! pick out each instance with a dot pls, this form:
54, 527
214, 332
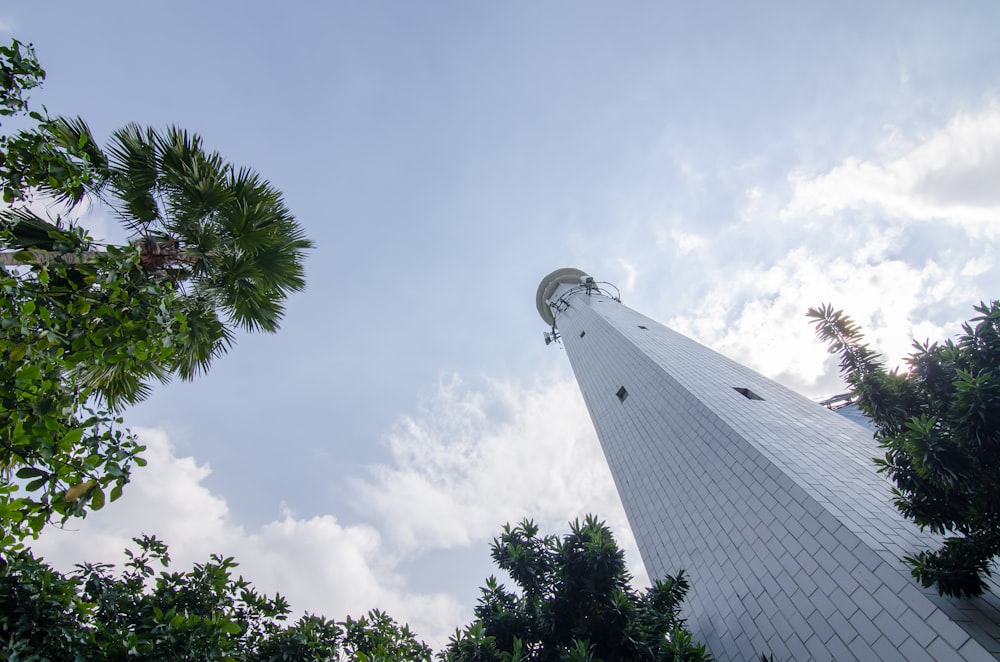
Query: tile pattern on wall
768, 501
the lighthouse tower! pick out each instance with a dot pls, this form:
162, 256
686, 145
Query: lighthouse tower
769, 502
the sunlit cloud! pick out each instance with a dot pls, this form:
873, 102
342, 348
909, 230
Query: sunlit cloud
319, 564
472, 459
949, 175
770, 333
906, 243
685, 242
465, 463
631, 275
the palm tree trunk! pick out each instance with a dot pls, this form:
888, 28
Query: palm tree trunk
155, 256
16, 259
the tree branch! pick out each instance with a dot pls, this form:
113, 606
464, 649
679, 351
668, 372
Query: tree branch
46, 257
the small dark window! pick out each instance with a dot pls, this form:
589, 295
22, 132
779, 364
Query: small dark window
643, 328
583, 333
622, 394
747, 393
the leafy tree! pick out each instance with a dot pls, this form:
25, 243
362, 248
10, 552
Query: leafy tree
85, 328
573, 603
939, 423
28, 159
218, 237
19, 72
96, 613
378, 638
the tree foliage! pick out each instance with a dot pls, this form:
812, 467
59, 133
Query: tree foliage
573, 603
98, 613
939, 423
31, 160
62, 448
19, 72
85, 329
376, 637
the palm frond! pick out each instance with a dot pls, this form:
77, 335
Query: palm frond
23, 228
74, 135
121, 384
204, 339
193, 182
133, 178
234, 242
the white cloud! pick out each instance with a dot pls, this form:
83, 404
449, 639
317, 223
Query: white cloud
977, 266
6, 26
471, 460
96, 220
685, 242
631, 274
319, 564
753, 196
950, 175
768, 329
847, 237
468, 461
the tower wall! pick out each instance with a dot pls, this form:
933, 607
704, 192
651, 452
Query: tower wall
771, 506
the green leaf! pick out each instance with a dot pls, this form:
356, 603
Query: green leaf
97, 499
72, 437
29, 373
229, 627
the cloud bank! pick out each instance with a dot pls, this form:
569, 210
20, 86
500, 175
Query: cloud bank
468, 461
950, 175
319, 564
904, 239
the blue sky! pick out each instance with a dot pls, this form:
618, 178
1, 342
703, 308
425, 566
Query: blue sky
726, 166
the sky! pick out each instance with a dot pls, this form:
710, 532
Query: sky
727, 166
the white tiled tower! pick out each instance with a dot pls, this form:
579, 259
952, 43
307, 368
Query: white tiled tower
769, 502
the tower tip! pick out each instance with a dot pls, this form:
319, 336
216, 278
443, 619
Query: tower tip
568, 275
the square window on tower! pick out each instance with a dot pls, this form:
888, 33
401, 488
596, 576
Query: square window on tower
747, 393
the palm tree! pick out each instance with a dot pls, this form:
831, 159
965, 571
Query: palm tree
220, 236
85, 328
